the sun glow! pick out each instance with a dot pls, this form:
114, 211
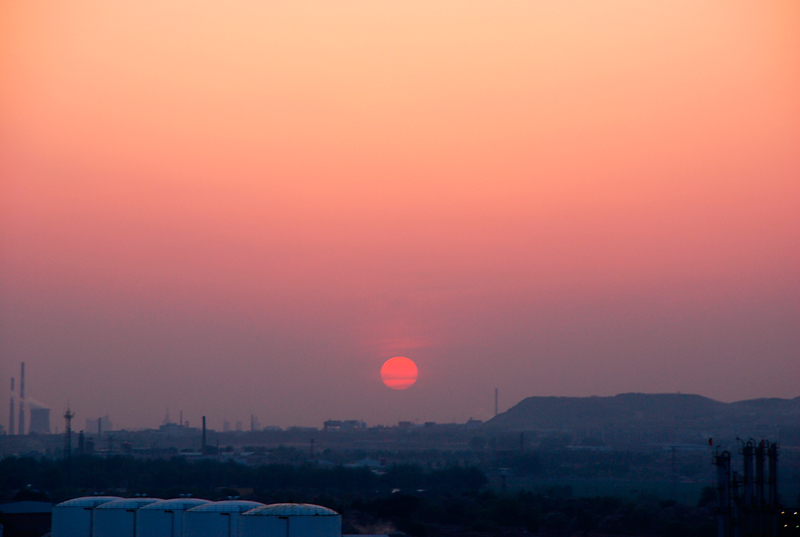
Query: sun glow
399, 372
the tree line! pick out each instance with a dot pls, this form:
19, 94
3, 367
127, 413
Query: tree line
418, 500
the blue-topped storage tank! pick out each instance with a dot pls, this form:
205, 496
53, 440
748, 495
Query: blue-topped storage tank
75, 518
165, 518
118, 518
291, 520
217, 519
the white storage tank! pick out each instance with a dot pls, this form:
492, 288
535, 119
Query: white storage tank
75, 518
291, 520
165, 518
217, 519
118, 518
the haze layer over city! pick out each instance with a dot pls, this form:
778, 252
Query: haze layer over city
236, 210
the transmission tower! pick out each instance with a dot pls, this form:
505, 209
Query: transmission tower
68, 434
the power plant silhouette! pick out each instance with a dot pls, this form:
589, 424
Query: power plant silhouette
20, 408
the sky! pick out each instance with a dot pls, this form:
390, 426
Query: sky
244, 208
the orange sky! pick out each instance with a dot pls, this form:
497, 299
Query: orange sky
246, 209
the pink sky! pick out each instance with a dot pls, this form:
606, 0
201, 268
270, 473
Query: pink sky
246, 209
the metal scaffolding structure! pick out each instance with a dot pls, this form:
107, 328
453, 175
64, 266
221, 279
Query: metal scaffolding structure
748, 502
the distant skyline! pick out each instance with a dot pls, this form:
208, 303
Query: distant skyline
247, 209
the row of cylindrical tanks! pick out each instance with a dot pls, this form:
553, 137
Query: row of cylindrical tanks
110, 516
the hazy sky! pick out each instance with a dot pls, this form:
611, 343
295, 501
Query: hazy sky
235, 208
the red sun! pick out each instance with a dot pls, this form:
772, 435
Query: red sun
399, 372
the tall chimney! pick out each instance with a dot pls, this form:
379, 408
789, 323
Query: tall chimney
11, 416
203, 450
22, 399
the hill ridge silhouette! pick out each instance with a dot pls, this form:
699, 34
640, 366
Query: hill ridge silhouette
559, 412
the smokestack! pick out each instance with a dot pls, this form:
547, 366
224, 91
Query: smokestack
495, 401
203, 450
22, 399
11, 416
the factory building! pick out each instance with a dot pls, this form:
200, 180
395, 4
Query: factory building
100, 425
39, 422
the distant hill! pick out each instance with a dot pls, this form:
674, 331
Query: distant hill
644, 410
